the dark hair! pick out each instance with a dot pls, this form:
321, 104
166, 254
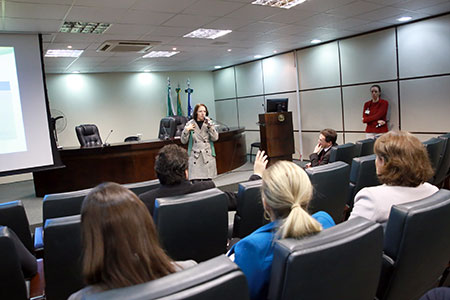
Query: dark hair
406, 161
171, 164
120, 242
196, 107
377, 86
330, 135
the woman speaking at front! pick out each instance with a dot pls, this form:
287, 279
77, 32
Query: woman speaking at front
200, 132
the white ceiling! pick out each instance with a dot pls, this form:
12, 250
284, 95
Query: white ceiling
256, 29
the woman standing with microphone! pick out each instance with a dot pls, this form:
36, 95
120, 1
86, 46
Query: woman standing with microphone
200, 133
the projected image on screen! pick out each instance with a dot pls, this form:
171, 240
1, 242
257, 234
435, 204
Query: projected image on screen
12, 135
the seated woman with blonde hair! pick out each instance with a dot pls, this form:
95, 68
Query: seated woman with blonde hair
286, 191
120, 242
403, 167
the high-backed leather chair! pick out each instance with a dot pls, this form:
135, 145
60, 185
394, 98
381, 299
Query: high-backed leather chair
249, 209
345, 153
88, 135
193, 226
342, 262
218, 278
330, 184
434, 148
132, 138
141, 187
167, 128
180, 122
364, 147
13, 215
416, 247
443, 167
362, 174
62, 257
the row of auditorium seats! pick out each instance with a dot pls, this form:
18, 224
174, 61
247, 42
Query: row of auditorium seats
353, 259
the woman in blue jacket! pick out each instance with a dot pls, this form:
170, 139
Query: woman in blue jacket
286, 191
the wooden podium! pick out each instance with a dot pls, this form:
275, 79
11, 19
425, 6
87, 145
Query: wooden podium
277, 135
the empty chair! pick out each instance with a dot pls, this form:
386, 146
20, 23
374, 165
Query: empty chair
167, 128
218, 278
434, 148
364, 147
416, 247
345, 153
362, 174
62, 257
12, 215
180, 122
132, 138
342, 262
249, 209
88, 135
141, 187
330, 182
193, 226
444, 162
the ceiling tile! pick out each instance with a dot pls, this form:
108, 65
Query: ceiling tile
320, 20
95, 14
212, 8
382, 13
129, 29
253, 12
171, 6
290, 16
414, 15
171, 31
35, 11
353, 9
418, 4
321, 5
261, 27
436, 9
227, 23
105, 3
189, 21
30, 25
144, 17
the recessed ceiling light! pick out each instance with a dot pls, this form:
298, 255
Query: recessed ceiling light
147, 71
70, 47
174, 48
84, 27
229, 50
76, 72
279, 3
275, 51
217, 67
203, 33
160, 54
404, 19
257, 56
63, 53
316, 41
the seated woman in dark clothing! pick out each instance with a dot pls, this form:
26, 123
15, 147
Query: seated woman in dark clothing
120, 242
286, 191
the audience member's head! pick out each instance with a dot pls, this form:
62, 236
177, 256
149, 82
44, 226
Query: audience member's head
171, 164
402, 159
327, 137
286, 191
120, 242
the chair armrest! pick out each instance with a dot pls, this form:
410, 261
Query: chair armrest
37, 284
387, 266
38, 238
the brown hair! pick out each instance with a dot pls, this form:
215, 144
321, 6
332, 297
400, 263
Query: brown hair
171, 164
287, 190
120, 242
196, 107
406, 161
330, 135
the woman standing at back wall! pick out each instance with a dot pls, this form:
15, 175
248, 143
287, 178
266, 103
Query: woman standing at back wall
374, 114
200, 133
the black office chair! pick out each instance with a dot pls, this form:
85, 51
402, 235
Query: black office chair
364, 147
330, 182
218, 278
362, 174
131, 138
416, 247
88, 135
345, 153
13, 215
142, 187
167, 128
434, 148
180, 122
342, 262
193, 226
443, 167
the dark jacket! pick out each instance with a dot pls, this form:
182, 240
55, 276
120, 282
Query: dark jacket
318, 159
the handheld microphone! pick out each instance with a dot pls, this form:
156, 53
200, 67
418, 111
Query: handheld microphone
105, 144
166, 135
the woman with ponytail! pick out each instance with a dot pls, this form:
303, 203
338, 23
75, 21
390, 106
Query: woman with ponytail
286, 191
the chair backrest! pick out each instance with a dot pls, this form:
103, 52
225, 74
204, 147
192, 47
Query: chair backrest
132, 138
218, 278
362, 174
434, 148
167, 128
62, 257
417, 246
63, 204
88, 135
364, 147
330, 184
444, 162
249, 209
180, 122
12, 282
345, 153
193, 226
141, 187
342, 262
13, 215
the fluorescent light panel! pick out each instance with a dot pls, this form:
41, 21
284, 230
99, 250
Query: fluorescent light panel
279, 3
84, 27
63, 53
203, 33
160, 54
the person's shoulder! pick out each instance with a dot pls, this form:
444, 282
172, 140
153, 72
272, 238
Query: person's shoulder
382, 101
324, 219
202, 185
149, 194
90, 289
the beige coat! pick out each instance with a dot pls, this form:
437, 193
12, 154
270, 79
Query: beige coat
202, 164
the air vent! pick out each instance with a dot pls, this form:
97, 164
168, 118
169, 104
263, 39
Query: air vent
127, 46
220, 43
